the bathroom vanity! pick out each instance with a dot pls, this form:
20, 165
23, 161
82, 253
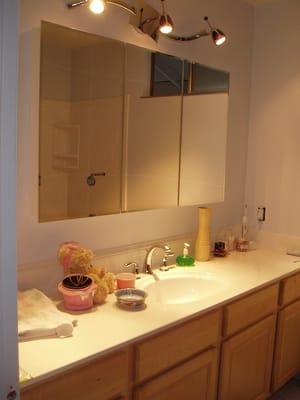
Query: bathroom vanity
239, 343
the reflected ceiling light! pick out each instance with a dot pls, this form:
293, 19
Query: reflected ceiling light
98, 6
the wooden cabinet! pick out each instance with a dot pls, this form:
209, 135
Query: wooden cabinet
192, 380
102, 379
248, 310
177, 344
182, 362
287, 354
290, 289
247, 363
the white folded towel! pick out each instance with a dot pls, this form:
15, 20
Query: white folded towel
38, 317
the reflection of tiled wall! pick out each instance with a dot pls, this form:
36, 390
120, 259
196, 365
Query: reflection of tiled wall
97, 70
54, 110
54, 182
56, 64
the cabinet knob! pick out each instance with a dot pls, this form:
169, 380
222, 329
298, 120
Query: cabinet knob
12, 395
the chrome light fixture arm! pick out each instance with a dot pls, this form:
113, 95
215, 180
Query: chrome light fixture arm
75, 4
122, 5
189, 38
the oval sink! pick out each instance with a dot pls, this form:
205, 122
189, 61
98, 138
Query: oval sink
180, 288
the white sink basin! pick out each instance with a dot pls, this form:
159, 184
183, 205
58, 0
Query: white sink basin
180, 287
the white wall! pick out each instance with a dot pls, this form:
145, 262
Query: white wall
39, 241
8, 134
274, 141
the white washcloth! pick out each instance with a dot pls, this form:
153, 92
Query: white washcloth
38, 317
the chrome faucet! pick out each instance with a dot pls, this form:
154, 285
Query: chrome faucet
148, 261
135, 267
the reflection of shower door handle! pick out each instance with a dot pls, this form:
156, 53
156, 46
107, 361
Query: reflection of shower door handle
91, 180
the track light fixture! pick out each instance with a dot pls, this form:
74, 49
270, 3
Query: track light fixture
166, 26
98, 6
154, 24
216, 34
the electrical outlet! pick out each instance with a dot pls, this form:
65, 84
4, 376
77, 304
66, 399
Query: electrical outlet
261, 214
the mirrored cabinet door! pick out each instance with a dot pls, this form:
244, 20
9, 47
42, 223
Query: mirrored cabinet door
152, 124
81, 123
203, 149
204, 135
125, 129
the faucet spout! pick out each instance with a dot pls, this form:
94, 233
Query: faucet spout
148, 261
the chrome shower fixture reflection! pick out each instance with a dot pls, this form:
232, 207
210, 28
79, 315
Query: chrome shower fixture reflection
98, 6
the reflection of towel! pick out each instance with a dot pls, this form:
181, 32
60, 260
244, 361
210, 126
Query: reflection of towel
38, 317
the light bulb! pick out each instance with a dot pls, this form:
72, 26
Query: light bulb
218, 37
97, 6
165, 24
166, 29
220, 41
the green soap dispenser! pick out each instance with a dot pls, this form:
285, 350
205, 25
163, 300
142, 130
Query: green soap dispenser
185, 260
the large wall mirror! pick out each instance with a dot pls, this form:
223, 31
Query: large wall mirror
125, 129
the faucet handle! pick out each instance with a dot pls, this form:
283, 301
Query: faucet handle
168, 252
165, 267
135, 266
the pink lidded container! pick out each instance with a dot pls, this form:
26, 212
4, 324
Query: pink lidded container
125, 280
78, 292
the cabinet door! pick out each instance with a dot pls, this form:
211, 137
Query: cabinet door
247, 362
203, 149
103, 379
287, 355
162, 352
193, 380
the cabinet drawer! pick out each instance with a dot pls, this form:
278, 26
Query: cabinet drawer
250, 309
193, 380
167, 349
98, 380
290, 289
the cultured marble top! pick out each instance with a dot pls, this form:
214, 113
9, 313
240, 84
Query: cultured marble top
107, 328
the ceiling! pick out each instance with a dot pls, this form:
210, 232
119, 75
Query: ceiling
259, 2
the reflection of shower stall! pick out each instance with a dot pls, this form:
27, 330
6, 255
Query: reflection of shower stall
81, 121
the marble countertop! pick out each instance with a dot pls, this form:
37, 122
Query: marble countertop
107, 327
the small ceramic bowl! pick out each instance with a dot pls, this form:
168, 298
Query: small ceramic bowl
78, 299
125, 280
131, 298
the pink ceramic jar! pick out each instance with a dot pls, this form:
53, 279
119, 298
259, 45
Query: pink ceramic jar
78, 299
